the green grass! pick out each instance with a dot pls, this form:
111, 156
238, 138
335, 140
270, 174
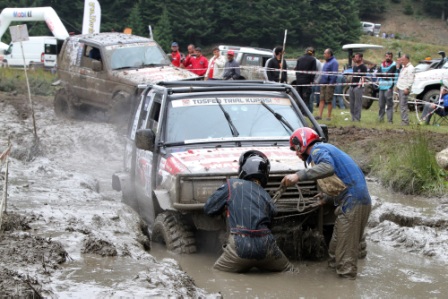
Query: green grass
14, 80
407, 165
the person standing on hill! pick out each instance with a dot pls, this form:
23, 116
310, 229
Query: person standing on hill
357, 86
329, 77
404, 84
387, 75
307, 65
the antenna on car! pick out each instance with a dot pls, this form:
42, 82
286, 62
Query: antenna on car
150, 32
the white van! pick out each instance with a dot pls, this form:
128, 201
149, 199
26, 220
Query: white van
371, 28
37, 50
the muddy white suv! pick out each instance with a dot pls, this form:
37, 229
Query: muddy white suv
103, 70
426, 86
185, 141
253, 61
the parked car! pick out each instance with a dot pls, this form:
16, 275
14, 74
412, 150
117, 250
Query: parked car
185, 141
103, 70
253, 62
429, 64
371, 28
38, 50
426, 86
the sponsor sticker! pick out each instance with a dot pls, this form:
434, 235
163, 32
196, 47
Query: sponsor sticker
229, 101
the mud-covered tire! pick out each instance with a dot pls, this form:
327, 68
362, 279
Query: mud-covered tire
368, 91
169, 228
62, 105
431, 96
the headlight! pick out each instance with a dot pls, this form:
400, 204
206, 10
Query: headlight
198, 191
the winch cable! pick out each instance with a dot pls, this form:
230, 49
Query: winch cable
301, 205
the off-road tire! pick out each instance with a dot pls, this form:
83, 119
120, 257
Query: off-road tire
169, 228
368, 91
431, 96
366, 103
62, 104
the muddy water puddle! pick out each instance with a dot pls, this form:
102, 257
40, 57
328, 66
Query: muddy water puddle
385, 273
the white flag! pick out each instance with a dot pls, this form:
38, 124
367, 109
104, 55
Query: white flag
92, 17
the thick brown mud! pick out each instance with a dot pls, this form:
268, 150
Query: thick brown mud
68, 235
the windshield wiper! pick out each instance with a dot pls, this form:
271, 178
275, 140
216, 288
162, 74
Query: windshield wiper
279, 117
229, 120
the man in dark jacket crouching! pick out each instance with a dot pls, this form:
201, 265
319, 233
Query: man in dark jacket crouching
249, 210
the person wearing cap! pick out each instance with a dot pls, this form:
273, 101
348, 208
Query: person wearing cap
343, 182
175, 54
440, 109
231, 68
216, 66
307, 66
199, 65
249, 210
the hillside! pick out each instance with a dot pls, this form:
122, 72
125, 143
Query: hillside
418, 27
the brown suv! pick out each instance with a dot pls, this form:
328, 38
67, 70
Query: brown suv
104, 70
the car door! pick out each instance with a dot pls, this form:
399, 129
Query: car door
93, 80
148, 118
253, 67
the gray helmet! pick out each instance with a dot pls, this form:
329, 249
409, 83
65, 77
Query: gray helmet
254, 164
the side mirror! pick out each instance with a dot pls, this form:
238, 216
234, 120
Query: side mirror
97, 65
325, 130
145, 139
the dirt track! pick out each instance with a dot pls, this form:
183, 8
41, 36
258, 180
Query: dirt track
61, 209
62, 213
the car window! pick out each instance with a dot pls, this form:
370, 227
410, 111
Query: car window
51, 49
252, 60
202, 118
136, 56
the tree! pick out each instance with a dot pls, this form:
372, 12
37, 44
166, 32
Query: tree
135, 21
334, 23
162, 31
438, 8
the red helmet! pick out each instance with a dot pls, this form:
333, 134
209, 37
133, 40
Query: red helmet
303, 138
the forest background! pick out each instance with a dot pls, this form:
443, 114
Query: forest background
258, 23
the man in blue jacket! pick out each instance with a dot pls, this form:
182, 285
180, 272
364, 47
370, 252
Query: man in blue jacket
387, 74
249, 210
329, 76
352, 200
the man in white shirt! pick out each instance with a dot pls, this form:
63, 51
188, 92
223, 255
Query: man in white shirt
404, 84
215, 66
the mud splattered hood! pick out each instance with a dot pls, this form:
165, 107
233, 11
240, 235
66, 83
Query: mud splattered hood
153, 74
223, 160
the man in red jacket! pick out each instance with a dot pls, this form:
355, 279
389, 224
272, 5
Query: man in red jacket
199, 65
175, 54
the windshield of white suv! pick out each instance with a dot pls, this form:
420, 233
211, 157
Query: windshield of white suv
202, 118
136, 56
